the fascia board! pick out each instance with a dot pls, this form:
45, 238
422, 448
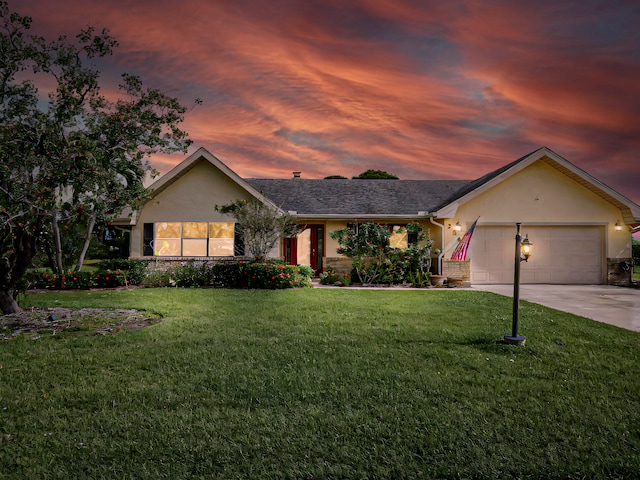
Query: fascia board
379, 217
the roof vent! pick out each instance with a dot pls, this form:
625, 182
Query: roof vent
297, 174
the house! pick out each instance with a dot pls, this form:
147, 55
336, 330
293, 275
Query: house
580, 228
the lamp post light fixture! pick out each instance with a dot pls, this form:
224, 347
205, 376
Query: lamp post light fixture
524, 249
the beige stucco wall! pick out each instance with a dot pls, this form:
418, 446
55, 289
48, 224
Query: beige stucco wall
331, 246
192, 198
540, 195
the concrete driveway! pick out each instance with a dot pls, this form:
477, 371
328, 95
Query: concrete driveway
618, 306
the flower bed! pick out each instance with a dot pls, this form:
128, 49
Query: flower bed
270, 275
78, 280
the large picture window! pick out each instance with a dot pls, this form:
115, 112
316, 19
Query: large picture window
193, 239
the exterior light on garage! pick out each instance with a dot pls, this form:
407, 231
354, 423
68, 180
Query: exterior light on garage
618, 226
455, 229
523, 252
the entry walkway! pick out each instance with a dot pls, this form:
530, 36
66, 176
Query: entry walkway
617, 306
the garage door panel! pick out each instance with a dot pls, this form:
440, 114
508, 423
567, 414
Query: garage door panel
561, 255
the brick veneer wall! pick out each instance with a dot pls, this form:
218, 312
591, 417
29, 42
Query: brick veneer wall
615, 275
339, 264
457, 269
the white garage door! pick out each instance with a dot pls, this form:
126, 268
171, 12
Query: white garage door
561, 255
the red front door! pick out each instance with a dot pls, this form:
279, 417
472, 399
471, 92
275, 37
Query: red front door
317, 247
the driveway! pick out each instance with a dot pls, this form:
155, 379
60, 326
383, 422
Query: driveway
618, 306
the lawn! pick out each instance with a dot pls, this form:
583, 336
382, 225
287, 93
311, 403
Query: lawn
320, 383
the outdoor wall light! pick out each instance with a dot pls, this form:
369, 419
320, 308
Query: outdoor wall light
457, 228
618, 227
523, 252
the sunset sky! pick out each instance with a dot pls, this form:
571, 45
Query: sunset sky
424, 89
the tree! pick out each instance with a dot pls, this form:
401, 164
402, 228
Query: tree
335, 177
77, 160
366, 244
375, 175
262, 225
373, 257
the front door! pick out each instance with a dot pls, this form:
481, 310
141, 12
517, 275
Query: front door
291, 250
316, 247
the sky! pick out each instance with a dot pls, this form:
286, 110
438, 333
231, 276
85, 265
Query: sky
423, 89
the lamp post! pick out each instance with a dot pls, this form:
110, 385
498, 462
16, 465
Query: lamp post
523, 252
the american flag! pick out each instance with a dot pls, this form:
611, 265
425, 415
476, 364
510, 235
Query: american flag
460, 253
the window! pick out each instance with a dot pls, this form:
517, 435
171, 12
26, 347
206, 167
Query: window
167, 239
399, 237
221, 239
193, 239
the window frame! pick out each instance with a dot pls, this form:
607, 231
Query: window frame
151, 240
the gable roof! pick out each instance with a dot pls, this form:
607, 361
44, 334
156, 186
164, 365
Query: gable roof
380, 199
203, 155
129, 217
357, 198
629, 209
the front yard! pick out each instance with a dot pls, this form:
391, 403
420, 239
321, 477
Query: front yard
319, 383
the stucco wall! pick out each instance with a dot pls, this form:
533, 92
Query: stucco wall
192, 198
540, 195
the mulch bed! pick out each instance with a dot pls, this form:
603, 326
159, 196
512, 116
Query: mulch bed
92, 321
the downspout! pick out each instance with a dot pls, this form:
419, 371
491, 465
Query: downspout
441, 243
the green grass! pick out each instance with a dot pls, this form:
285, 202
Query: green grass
321, 384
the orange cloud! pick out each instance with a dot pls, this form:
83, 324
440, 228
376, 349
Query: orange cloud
423, 89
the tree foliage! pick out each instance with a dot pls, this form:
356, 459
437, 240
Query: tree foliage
69, 157
335, 177
374, 260
262, 225
375, 175
366, 245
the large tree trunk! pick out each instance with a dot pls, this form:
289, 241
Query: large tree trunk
8, 304
87, 240
13, 267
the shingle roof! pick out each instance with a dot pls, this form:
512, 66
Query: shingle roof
369, 197
357, 197
472, 185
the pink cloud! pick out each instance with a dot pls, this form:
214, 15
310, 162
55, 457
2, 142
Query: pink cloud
424, 89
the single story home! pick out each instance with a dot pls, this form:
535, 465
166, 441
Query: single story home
581, 228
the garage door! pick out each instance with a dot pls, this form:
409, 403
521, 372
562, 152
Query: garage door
562, 255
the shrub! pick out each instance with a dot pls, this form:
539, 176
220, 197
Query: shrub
419, 279
192, 274
270, 275
330, 277
159, 278
77, 280
135, 270
375, 261
187, 275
